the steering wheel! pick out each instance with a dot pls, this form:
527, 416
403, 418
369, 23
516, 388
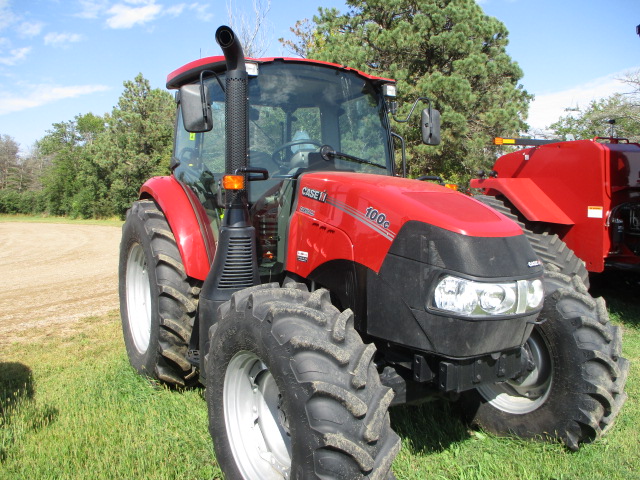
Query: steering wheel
302, 141
187, 154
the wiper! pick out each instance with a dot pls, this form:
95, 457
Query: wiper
327, 152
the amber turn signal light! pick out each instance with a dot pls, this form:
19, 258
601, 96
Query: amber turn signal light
504, 141
233, 182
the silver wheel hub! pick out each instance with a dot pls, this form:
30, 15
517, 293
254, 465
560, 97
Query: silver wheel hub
138, 293
529, 391
256, 424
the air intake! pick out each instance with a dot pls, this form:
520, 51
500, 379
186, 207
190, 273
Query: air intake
238, 269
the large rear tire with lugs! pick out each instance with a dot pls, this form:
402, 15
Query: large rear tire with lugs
573, 389
293, 392
157, 300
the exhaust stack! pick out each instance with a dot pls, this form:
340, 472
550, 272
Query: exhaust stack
235, 265
236, 115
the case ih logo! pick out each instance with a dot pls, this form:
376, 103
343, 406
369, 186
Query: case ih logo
314, 194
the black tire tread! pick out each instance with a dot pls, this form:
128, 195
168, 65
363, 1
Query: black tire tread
345, 381
588, 392
599, 373
605, 389
178, 298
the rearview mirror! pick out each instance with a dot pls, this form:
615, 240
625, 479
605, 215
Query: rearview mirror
430, 126
196, 108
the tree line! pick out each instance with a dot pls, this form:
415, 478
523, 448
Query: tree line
447, 50
92, 166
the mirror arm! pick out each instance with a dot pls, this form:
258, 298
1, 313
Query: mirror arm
202, 95
419, 99
404, 157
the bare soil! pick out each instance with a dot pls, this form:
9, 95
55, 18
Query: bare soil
54, 275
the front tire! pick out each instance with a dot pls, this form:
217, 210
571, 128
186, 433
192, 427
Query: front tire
157, 300
574, 388
292, 390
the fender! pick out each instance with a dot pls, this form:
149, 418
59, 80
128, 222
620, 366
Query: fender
527, 197
188, 222
373, 209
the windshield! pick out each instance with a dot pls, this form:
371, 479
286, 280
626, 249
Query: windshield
295, 108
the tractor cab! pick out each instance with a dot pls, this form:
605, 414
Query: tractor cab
295, 108
303, 116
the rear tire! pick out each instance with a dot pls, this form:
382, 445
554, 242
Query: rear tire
575, 390
157, 300
292, 390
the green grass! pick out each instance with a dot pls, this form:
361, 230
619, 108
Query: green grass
72, 408
114, 222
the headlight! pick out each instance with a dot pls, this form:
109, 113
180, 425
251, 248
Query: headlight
469, 298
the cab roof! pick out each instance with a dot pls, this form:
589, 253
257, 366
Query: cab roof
191, 71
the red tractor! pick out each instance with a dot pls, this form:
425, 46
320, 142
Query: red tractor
287, 268
583, 194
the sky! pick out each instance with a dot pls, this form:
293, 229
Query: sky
63, 58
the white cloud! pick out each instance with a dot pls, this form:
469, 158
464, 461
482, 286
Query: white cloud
129, 13
175, 10
202, 11
92, 8
547, 108
15, 56
39, 95
61, 39
30, 29
127, 16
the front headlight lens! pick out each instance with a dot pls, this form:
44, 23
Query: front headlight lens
470, 298
497, 298
456, 295
535, 294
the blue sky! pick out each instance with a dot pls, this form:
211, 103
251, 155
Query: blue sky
61, 58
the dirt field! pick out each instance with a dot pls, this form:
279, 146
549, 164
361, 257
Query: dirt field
52, 275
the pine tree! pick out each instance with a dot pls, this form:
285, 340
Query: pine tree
448, 50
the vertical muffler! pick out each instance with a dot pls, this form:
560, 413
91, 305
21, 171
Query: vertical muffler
235, 265
236, 111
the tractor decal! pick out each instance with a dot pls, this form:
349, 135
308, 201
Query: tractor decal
314, 194
307, 211
371, 218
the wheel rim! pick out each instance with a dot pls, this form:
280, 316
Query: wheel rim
257, 426
138, 298
527, 393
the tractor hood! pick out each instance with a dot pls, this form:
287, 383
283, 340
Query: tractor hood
373, 209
